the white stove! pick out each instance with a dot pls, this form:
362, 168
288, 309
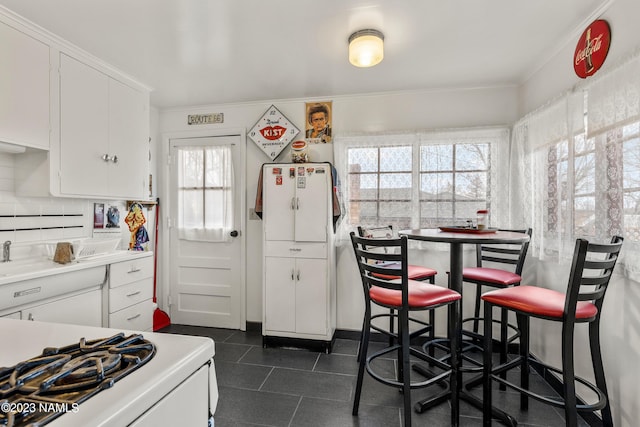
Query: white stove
142, 379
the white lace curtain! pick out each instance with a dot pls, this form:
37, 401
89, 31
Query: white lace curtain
575, 168
205, 193
405, 157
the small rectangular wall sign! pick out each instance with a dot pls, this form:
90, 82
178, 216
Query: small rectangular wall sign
205, 119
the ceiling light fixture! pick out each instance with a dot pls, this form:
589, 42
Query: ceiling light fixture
366, 48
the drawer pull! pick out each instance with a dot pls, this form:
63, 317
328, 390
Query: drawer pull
133, 317
133, 270
295, 249
133, 294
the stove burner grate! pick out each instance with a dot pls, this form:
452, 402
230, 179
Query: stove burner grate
36, 391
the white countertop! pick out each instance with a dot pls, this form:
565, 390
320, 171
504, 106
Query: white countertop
177, 357
26, 269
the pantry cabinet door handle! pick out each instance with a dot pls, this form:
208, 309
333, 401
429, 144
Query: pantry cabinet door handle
298, 276
134, 317
133, 270
30, 317
292, 273
133, 294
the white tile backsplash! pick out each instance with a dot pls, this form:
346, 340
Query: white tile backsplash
29, 220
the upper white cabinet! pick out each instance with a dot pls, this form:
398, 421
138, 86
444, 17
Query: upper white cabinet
88, 121
104, 131
24, 89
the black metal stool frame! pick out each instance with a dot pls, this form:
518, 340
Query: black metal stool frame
574, 294
368, 271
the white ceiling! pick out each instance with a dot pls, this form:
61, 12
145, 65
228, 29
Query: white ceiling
196, 52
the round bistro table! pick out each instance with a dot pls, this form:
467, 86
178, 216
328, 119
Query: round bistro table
456, 240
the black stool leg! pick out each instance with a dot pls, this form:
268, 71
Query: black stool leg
487, 367
403, 330
364, 347
568, 374
504, 345
598, 369
476, 311
523, 325
455, 343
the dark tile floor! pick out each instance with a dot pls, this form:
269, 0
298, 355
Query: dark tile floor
296, 387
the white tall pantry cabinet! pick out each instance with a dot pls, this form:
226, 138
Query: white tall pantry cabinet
299, 285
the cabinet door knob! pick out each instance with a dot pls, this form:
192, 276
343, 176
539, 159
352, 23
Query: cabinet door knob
234, 233
114, 159
106, 157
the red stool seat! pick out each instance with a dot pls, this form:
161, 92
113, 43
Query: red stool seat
537, 301
490, 275
420, 295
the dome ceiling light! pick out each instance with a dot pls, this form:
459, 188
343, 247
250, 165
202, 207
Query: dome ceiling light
366, 48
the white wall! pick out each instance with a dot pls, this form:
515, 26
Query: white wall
373, 112
620, 325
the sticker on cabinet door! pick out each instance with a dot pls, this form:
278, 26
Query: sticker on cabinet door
320, 170
302, 182
277, 171
292, 172
309, 171
279, 180
301, 171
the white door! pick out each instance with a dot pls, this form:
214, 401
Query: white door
311, 203
205, 248
280, 294
311, 296
279, 201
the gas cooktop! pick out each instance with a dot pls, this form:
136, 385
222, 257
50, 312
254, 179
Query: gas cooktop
36, 391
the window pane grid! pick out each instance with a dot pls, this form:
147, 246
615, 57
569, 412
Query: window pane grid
452, 182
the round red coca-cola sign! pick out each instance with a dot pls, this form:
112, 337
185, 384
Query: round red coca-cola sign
592, 49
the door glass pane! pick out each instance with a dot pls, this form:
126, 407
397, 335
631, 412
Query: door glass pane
205, 193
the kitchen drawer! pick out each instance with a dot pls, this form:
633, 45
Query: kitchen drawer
138, 317
127, 295
292, 249
130, 271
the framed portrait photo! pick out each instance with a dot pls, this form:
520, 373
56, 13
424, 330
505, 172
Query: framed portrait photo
318, 127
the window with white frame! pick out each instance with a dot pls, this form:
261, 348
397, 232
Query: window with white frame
422, 179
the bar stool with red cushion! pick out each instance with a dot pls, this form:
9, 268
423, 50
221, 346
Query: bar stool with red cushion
487, 273
416, 272
405, 296
581, 303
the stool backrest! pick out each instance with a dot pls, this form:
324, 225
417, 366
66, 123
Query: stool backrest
591, 271
511, 254
383, 232
374, 256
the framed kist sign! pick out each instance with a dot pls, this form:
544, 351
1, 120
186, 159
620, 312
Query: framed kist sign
592, 49
273, 132
318, 130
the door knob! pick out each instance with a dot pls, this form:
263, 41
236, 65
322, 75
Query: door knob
234, 233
